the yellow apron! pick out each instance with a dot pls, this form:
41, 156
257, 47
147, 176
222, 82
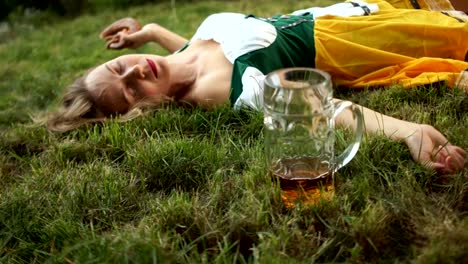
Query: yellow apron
394, 46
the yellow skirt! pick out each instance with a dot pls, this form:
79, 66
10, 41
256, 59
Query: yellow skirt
394, 46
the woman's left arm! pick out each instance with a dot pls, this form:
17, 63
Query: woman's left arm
127, 33
427, 145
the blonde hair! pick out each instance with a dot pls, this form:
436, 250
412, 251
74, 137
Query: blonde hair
78, 108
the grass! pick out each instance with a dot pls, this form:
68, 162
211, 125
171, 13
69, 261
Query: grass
189, 186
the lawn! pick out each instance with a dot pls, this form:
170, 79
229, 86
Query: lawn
190, 186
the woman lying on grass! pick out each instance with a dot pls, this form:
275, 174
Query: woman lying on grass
359, 44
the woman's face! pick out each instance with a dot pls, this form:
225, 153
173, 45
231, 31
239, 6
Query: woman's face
119, 84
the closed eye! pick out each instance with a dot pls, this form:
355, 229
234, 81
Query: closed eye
117, 68
120, 68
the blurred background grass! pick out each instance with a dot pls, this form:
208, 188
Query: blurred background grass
71, 7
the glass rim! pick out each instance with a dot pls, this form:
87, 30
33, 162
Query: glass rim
281, 72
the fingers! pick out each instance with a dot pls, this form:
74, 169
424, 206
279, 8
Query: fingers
457, 157
118, 41
437, 162
460, 151
440, 168
451, 166
440, 154
444, 167
129, 25
111, 30
448, 159
435, 165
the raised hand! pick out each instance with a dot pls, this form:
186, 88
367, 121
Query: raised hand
123, 33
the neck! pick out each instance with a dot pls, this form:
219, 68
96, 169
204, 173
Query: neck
184, 74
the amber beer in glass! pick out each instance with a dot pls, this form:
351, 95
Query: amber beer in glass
299, 122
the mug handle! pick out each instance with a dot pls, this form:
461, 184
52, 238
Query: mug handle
349, 153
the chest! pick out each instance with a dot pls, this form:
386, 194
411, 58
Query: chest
212, 86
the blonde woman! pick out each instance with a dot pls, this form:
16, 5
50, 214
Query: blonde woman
360, 44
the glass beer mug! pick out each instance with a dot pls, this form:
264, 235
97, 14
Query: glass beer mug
299, 122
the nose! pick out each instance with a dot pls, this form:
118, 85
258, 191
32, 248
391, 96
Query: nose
135, 72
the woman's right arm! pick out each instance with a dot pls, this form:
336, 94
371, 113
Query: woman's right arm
127, 33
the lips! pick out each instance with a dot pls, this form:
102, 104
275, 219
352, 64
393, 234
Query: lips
152, 67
